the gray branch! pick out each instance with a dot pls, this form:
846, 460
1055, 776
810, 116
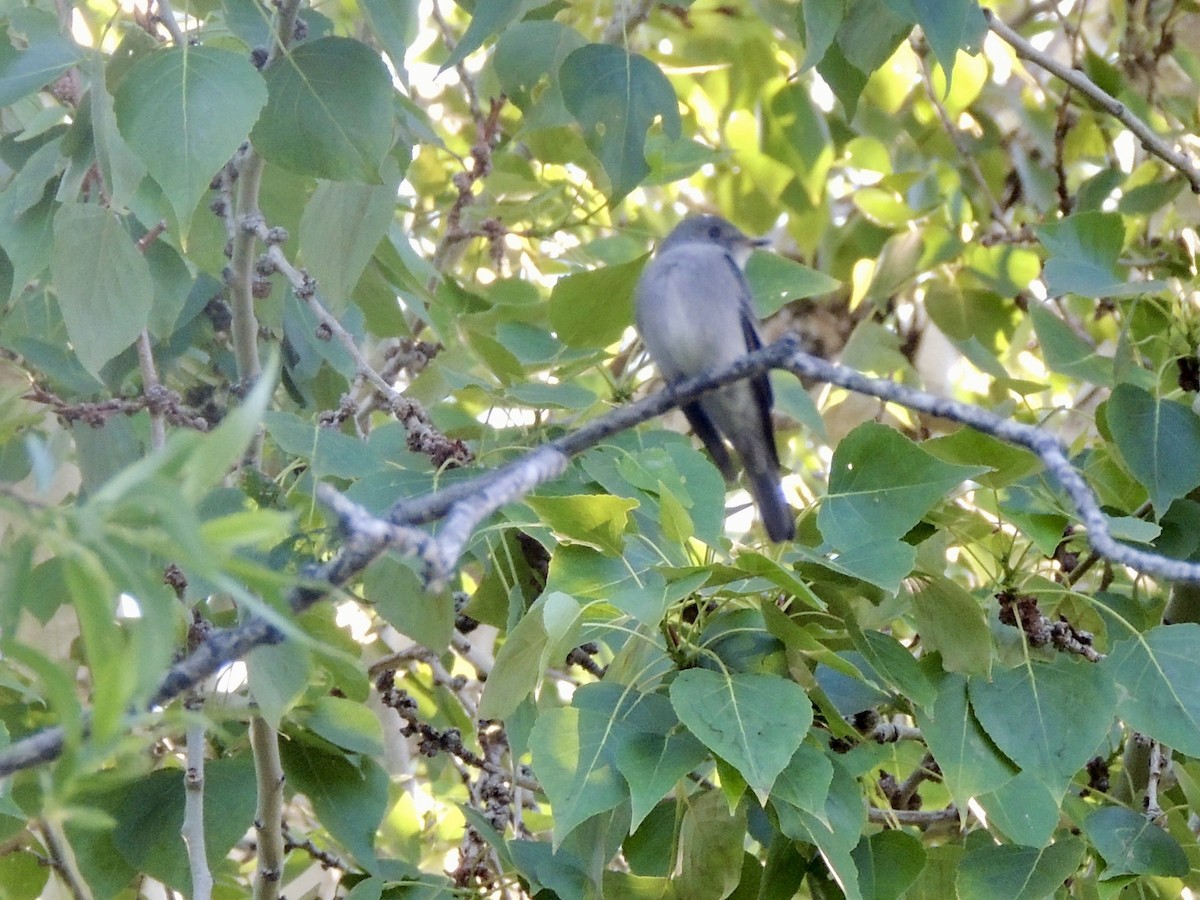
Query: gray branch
463, 506
1106, 101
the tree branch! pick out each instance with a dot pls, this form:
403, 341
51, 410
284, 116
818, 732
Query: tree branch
465, 505
1110, 104
268, 816
193, 810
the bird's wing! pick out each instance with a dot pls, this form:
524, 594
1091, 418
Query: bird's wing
704, 428
760, 384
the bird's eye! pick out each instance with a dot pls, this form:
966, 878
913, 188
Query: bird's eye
714, 231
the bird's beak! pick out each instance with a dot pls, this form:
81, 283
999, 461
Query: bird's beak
757, 243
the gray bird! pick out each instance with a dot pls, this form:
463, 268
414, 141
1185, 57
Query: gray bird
694, 314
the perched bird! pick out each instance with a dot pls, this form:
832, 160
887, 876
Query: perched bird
694, 314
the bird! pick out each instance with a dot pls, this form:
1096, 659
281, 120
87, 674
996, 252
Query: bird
694, 313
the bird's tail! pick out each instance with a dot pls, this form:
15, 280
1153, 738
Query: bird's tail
777, 516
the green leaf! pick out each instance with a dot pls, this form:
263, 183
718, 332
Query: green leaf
970, 762
1158, 685
329, 111
184, 111
1023, 810
347, 723
329, 452
121, 168
150, 818
93, 594
584, 572
1004, 270
835, 832
652, 763
219, 450
395, 24
821, 20
25, 875
525, 55
754, 722
892, 662
593, 308
804, 782
616, 97
33, 52
710, 847
888, 863
844, 78
490, 17
28, 184
884, 562
341, 226
278, 675
949, 25
27, 238
1048, 717
574, 755
1083, 256
1133, 845
594, 520
880, 485
103, 284
400, 598
1159, 441
1066, 352
953, 623
797, 135
776, 280
968, 447
1017, 873
563, 395
523, 656
348, 798
173, 283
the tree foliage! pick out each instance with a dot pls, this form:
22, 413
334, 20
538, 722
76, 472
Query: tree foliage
305, 309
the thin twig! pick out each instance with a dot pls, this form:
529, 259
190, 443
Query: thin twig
62, 860
193, 808
966, 154
892, 732
920, 818
1111, 105
1160, 759
166, 15
268, 815
423, 436
629, 15
151, 385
